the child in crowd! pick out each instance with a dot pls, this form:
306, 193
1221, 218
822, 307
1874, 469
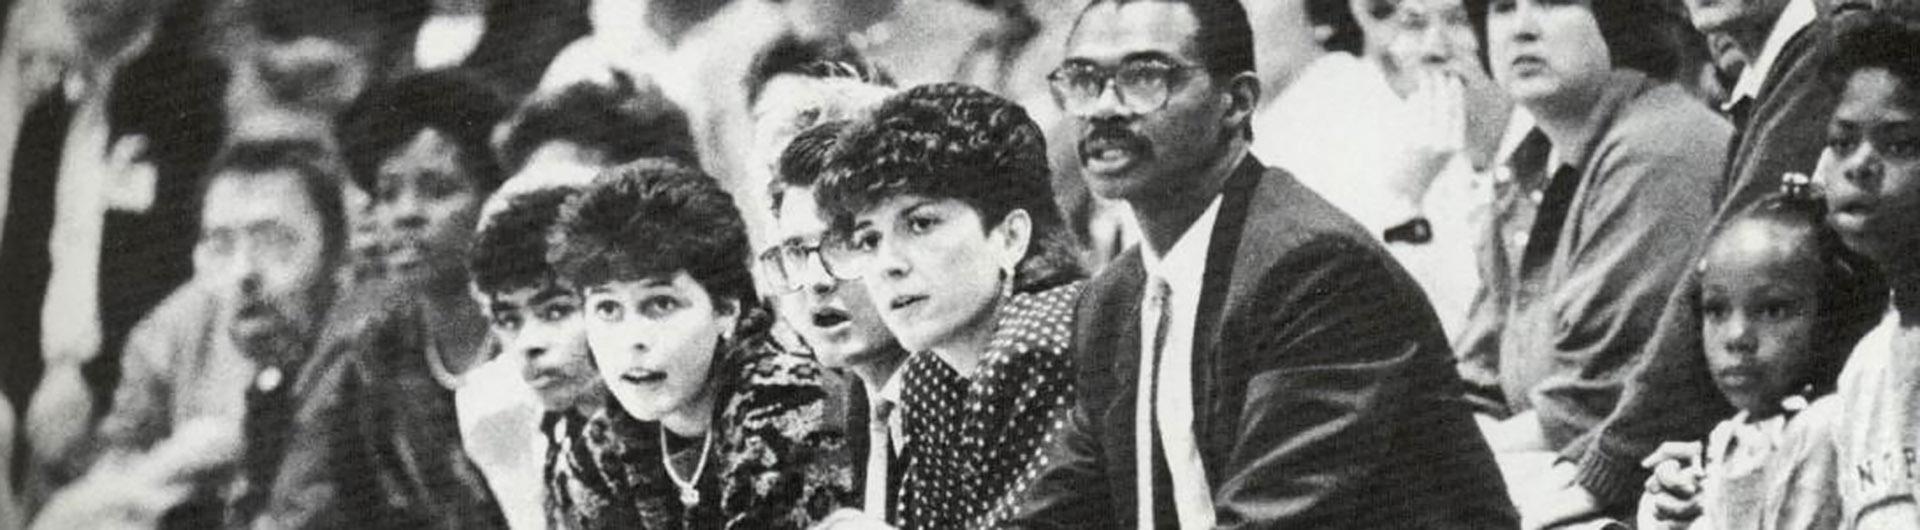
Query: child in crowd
1771, 285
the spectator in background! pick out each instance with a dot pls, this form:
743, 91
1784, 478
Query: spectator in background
558, 142
1780, 105
1606, 202
712, 425
536, 320
509, 43
1776, 282
597, 126
1872, 170
218, 358
377, 411
1398, 125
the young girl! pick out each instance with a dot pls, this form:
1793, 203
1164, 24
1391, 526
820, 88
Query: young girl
1774, 340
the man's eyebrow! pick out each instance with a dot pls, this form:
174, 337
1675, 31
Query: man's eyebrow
549, 293
1149, 55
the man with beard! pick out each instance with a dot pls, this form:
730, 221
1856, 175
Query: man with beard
207, 365
1260, 361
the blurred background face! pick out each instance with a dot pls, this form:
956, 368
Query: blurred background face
427, 204
935, 272
262, 250
1428, 36
654, 342
541, 327
836, 319
1716, 16
1759, 305
1129, 155
1873, 165
821, 19
1544, 51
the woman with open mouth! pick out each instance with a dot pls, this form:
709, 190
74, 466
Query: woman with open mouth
941, 204
711, 425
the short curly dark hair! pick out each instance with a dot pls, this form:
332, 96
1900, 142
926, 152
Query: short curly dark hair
649, 219
1225, 36
624, 122
386, 117
1862, 43
510, 249
955, 141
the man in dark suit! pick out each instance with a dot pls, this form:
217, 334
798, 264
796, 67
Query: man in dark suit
1260, 362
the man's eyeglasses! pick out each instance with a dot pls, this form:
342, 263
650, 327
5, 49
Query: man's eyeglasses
786, 264
1143, 86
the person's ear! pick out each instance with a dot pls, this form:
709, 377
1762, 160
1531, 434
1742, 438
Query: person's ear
1243, 97
728, 309
1012, 238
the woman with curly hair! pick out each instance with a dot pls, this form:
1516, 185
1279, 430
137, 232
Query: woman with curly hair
711, 425
941, 204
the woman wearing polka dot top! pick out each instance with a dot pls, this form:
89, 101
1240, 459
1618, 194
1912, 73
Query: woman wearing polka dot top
940, 203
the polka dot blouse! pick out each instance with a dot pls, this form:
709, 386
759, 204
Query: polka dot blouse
974, 445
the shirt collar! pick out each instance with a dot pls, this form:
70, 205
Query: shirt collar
1186, 262
890, 391
1798, 15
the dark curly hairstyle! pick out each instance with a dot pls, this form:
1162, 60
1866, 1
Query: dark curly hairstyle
649, 219
1225, 37
954, 141
623, 122
386, 117
1853, 296
1877, 40
805, 157
510, 250
1650, 36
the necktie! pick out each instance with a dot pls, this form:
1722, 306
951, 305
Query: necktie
1152, 474
879, 452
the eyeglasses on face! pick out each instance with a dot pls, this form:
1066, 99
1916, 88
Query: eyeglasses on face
1143, 86
786, 264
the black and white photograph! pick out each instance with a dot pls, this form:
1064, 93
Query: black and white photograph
960, 264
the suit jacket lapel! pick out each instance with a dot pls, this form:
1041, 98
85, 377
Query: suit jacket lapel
1236, 197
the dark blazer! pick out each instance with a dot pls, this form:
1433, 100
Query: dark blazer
1324, 390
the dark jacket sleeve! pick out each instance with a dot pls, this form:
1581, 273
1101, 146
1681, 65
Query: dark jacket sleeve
1353, 417
1669, 394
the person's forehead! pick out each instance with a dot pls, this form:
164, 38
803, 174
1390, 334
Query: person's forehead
427, 148
799, 214
237, 197
1111, 32
1430, 7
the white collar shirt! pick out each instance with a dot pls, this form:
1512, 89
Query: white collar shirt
1183, 269
1797, 16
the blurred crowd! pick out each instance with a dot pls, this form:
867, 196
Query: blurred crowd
959, 264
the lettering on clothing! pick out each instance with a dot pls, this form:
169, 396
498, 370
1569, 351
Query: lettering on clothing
1882, 477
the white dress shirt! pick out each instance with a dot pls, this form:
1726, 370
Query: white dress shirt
1183, 268
499, 419
1797, 16
882, 450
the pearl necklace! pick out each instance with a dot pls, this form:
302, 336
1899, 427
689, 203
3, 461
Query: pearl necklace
689, 492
